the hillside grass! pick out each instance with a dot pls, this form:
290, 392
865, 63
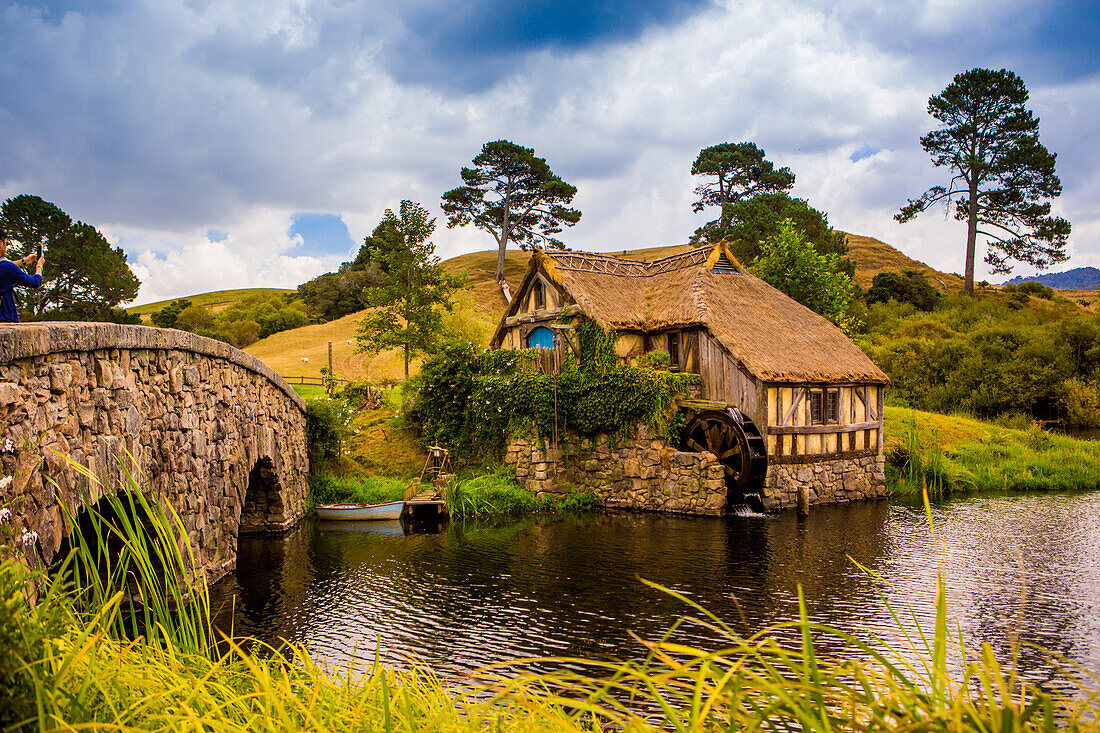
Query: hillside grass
216, 301
953, 454
873, 256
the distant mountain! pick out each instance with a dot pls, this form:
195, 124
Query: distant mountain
1079, 278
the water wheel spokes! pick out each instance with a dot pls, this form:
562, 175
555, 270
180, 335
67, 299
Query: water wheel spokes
737, 444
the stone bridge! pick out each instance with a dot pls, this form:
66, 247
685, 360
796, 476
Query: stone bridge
207, 428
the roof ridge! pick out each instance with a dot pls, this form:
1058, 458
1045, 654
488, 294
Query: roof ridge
598, 262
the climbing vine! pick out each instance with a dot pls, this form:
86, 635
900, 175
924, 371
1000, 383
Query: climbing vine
471, 401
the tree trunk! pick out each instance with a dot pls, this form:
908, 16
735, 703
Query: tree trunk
501, 280
406, 361
971, 236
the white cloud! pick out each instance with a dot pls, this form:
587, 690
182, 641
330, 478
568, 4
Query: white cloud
158, 122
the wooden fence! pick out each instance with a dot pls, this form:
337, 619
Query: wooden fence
317, 381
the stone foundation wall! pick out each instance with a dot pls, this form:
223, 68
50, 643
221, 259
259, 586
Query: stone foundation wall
644, 473
211, 430
637, 473
826, 482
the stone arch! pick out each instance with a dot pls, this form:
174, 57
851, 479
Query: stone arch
201, 426
263, 508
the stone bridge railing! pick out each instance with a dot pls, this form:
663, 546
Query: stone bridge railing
202, 425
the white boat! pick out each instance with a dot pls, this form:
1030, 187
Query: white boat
361, 512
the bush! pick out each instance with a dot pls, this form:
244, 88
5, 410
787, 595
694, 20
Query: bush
1082, 403
910, 286
326, 430
471, 401
654, 359
1037, 289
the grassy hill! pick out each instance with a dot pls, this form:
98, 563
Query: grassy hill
873, 256
216, 301
480, 308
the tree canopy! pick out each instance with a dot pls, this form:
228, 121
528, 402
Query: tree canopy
512, 194
1003, 178
789, 263
336, 294
407, 309
85, 277
751, 221
736, 171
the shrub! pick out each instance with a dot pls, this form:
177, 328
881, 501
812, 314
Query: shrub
654, 359
910, 286
1037, 289
471, 401
1082, 403
326, 430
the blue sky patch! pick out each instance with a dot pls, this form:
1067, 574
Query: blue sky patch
322, 234
216, 235
865, 151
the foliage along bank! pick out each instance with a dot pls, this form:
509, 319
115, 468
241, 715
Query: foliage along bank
470, 401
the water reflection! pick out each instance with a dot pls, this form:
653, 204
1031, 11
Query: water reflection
484, 592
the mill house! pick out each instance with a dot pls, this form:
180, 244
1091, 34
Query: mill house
786, 401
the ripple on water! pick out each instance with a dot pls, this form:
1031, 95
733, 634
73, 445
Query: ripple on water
484, 592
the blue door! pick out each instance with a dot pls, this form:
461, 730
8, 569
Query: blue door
541, 336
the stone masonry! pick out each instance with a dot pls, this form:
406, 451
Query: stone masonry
203, 426
641, 472
827, 482
644, 473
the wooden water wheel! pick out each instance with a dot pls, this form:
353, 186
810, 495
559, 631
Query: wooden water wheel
738, 444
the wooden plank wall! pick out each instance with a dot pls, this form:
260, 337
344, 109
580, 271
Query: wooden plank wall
726, 381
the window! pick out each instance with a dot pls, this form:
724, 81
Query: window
832, 406
816, 399
674, 349
540, 296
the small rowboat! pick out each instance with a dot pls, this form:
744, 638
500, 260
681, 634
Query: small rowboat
361, 512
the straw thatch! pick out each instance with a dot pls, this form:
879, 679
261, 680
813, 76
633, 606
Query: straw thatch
776, 338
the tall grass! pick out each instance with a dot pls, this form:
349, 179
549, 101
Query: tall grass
73, 666
326, 488
497, 494
950, 454
137, 550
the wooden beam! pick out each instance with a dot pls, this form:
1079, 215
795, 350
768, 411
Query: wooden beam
820, 457
545, 315
799, 394
822, 429
704, 405
569, 340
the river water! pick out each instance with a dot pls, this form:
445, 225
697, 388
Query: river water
482, 592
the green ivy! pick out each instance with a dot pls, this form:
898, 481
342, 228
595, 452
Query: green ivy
470, 401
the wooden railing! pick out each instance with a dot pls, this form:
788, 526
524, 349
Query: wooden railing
317, 381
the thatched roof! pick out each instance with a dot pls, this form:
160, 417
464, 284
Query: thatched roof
776, 338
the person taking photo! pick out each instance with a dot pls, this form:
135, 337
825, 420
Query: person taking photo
12, 274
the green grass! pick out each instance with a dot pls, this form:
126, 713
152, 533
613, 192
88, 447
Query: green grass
216, 298
497, 494
309, 391
951, 453
328, 489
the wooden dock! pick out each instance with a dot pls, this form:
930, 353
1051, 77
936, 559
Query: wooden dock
427, 506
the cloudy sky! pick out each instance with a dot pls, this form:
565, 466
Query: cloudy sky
255, 142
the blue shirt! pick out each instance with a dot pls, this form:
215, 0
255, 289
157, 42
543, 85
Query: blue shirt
11, 275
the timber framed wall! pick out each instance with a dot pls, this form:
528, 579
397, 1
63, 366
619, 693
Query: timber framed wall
817, 422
